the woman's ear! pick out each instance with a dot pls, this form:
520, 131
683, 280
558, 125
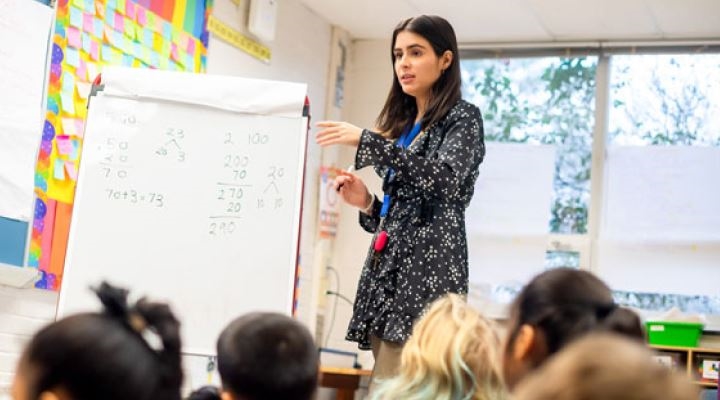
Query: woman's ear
446, 59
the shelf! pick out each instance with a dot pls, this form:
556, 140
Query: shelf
712, 385
688, 359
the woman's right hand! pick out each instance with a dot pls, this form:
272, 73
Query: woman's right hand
353, 190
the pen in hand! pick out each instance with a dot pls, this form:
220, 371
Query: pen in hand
349, 169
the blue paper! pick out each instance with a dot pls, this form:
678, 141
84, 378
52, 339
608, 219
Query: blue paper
72, 57
12, 246
106, 53
68, 83
148, 38
76, 17
98, 27
167, 30
86, 42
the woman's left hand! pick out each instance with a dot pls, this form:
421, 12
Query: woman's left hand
337, 132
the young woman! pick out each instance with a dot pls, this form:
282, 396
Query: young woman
125, 352
428, 149
452, 354
554, 309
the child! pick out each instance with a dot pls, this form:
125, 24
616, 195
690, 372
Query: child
266, 356
452, 354
555, 308
124, 352
603, 366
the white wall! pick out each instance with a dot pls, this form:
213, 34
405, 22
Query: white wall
300, 53
22, 312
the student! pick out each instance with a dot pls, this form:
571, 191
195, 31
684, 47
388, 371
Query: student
452, 354
124, 352
266, 356
428, 148
555, 308
605, 367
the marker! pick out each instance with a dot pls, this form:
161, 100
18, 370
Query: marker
351, 168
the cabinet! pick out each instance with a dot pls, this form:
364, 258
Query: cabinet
700, 364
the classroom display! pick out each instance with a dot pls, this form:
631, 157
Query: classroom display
190, 190
89, 35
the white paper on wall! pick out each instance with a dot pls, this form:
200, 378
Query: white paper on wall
25, 29
508, 218
662, 193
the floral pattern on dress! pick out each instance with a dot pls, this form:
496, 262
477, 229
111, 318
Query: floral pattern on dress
426, 254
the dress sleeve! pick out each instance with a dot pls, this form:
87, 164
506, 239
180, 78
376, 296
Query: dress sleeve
460, 153
370, 222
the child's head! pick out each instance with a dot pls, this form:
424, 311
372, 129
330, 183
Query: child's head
267, 356
452, 353
605, 366
555, 308
104, 355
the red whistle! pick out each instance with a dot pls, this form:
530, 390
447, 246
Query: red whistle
380, 241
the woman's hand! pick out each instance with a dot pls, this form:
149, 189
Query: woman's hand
353, 190
337, 132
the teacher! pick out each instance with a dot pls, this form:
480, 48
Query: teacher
428, 147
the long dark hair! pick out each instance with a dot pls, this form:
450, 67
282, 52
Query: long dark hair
400, 108
105, 355
567, 303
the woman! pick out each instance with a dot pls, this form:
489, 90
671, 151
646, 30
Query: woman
428, 153
554, 309
125, 352
452, 354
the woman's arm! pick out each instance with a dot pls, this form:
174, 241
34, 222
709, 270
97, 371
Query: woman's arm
461, 151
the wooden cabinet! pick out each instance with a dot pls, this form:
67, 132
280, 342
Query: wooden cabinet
700, 364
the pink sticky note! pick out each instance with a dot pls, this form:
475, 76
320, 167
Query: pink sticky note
87, 22
94, 52
71, 170
141, 16
191, 46
130, 10
79, 127
81, 71
119, 22
59, 170
64, 145
174, 51
73, 37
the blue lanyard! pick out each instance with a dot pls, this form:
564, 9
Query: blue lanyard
403, 142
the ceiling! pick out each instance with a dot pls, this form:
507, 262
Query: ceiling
527, 21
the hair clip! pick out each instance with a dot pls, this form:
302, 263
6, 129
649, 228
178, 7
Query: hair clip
138, 324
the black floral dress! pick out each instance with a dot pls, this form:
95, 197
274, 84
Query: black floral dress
426, 253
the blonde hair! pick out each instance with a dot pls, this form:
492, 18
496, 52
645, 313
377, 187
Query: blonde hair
453, 354
605, 366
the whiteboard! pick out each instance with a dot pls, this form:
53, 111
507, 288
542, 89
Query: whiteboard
189, 191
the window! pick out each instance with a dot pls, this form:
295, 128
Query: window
655, 102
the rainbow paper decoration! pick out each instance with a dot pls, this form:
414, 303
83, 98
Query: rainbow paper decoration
88, 35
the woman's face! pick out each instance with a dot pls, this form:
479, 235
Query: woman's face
416, 65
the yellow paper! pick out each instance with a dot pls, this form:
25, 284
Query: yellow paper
60, 190
120, 6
